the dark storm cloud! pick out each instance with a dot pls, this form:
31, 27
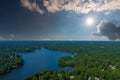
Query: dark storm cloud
108, 29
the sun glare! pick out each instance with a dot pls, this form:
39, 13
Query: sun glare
89, 21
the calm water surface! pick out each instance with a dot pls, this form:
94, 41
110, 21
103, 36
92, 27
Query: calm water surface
43, 59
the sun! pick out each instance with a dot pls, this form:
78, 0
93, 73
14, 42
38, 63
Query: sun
89, 21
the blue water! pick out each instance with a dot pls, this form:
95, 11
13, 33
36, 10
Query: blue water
43, 59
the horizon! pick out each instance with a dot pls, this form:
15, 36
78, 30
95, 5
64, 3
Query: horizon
65, 40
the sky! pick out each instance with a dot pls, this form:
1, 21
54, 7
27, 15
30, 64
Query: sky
59, 19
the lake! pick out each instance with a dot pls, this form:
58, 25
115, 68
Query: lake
36, 61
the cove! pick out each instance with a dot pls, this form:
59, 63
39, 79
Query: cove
36, 61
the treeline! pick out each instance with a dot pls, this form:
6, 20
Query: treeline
92, 61
66, 61
76, 74
9, 62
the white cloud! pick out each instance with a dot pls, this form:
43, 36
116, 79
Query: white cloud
110, 5
107, 13
12, 35
9, 37
78, 6
32, 6
2, 38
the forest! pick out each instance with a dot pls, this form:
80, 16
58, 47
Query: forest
93, 60
8, 62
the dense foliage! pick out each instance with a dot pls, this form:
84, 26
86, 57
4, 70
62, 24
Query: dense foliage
9, 62
92, 60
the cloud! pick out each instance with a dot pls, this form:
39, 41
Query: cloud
78, 6
2, 38
110, 5
8, 37
107, 13
109, 30
12, 35
32, 6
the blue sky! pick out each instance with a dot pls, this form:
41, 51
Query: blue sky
57, 19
